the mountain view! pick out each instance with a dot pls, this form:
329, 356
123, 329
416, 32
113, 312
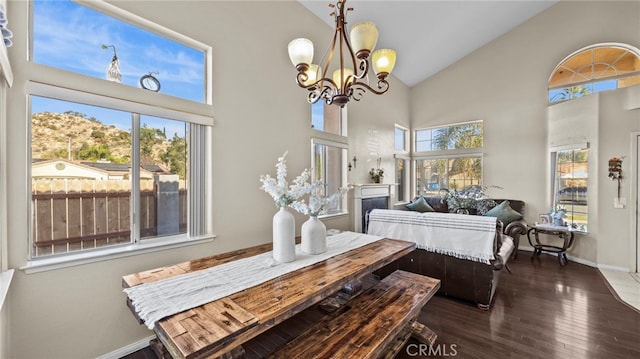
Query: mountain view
74, 136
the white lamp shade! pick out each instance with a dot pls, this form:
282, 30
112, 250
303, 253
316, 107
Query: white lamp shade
383, 60
363, 35
301, 51
314, 73
338, 79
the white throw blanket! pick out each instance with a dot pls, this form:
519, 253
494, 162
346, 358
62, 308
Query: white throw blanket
156, 300
457, 235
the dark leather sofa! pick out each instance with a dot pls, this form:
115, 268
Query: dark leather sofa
460, 278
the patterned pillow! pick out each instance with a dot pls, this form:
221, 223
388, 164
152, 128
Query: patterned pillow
420, 205
504, 213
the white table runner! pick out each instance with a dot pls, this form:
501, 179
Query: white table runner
156, 300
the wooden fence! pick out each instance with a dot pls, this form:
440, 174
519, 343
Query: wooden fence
73, 214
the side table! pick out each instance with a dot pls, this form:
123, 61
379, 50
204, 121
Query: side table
538, 248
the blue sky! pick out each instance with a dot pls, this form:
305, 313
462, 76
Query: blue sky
70, 36
595, 87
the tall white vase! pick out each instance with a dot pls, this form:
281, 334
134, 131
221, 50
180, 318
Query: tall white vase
314, 236
284, 231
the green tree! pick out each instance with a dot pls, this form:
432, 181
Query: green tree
175, 157
571, 92
94, 152
461, 136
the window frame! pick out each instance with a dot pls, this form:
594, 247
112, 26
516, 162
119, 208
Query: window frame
404, 155
56, 83
343, 147
555, 180
589, 83
3, 176
143, 23
342, 120
430, 155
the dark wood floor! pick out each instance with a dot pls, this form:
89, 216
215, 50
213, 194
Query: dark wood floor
541, 310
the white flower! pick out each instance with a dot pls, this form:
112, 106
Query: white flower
318, 202
280, 190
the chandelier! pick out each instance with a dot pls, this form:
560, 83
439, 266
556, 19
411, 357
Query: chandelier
350, 80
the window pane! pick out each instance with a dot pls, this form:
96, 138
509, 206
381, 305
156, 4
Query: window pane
163, 190
401, 179
69, 36
450, 173
423, 140
326, 118
469, 135
571, 185
400, 136
328, 169
80, 176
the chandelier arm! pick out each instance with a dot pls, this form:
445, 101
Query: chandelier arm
383, 86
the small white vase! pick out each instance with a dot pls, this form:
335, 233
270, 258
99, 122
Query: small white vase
284, 230
314, 236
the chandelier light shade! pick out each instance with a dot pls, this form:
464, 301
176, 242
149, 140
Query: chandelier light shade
383, 61
349, 75
301, 51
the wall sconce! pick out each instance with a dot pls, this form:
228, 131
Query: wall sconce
615, 171
350, 166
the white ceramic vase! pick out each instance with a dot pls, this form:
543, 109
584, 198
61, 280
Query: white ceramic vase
314, 236
284, 230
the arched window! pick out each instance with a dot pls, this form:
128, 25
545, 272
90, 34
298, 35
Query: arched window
595, 68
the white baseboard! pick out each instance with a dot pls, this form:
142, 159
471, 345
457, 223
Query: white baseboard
616, 268
570, 257
128, 349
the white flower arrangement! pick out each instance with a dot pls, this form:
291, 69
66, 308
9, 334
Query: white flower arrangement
284, 194
291, 195
319, 202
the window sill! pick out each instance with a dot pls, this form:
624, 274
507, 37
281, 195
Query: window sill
5, 281
58, 262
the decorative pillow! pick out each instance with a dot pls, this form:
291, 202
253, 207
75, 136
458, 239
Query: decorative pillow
504, 213
420, 205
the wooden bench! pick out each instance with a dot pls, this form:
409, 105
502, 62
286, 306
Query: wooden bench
375, 324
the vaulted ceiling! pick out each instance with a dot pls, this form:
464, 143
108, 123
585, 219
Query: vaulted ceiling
431, 35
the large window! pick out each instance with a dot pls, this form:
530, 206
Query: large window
329, 162
114, 166
571, 183
448, 158
593, 69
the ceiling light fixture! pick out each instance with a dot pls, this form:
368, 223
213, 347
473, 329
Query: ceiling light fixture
350, 80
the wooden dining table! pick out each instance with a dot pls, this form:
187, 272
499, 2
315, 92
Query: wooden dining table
223, 325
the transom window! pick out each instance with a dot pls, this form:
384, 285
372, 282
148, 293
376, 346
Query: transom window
593, 69
70, 36
328, 118
448, 158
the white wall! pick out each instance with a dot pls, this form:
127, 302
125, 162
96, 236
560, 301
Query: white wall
504, 83
80, 312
